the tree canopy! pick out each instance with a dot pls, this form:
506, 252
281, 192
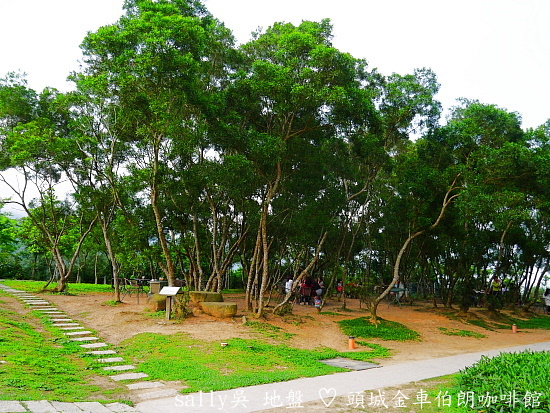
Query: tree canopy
189, 156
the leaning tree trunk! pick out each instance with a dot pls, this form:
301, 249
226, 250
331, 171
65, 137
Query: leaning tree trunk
446, 202
302, 275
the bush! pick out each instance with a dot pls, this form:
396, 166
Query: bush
510, 382
386, 330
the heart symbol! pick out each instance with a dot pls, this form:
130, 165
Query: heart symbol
329, 394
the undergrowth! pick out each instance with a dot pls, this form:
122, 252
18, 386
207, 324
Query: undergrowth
385, 330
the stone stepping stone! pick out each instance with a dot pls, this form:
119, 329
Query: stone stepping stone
11, 407
144, 385
40, 406
77, 333
66, 325
350, 364
120, 368
110, 360
93, 345
45, 309
60, 320
101, 352
52, 312
84, 339
66, 407
71, 328
92, 407
158, 394
129, 376
119, 408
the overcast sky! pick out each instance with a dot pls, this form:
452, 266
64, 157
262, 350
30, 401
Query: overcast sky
496, 51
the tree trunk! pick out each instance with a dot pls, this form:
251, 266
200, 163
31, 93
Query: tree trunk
168, 266
302, 274
446, 202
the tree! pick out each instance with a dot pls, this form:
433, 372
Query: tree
161, 64
34, 146
293, 93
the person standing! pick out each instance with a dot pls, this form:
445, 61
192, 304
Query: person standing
288, 285
496, 285
546, 298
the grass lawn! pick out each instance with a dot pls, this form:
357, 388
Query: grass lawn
37, 364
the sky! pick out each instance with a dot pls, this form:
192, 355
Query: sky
495, 51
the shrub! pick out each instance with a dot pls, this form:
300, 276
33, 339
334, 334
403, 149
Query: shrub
510, 382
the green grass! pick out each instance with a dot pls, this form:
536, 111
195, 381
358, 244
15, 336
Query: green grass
538, 322
524, 374
385, 330
502, 321
72, 288
40, 365
329, 313
111, 303
269, 330
208, 366
461, 333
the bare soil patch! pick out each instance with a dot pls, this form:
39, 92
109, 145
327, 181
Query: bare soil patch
311, 329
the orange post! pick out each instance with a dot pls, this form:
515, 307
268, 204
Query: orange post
351, 343
514, 328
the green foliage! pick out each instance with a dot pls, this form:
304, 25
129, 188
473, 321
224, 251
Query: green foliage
504, 321
540, 322
385, 330
269, 330
517, 380
157, 314
39, 365
181, 304
209, 366
329, 313
72, 288
461, 333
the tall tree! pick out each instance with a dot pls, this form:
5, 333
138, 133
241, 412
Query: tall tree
295, 91
161, 63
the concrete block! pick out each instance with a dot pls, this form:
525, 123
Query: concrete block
219, 310
205, 296
40, 406
11, 407
144, 385
158, 394
120, 368
129, 376
92, 407
93, 345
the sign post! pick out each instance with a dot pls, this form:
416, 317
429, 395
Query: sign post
169, 292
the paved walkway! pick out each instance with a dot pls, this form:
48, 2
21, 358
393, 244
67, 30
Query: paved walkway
289, 395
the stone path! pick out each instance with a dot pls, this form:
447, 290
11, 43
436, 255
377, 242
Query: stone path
144, 390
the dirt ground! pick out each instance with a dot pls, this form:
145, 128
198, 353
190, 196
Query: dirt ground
311, 329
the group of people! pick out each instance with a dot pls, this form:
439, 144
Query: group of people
495, 289
311, 290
